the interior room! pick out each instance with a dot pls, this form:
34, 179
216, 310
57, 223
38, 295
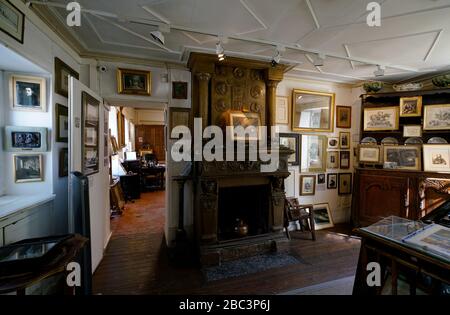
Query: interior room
205, 147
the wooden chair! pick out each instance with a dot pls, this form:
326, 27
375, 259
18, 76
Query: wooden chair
302, 213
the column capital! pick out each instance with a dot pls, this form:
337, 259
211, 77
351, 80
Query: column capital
203, 76
272, 83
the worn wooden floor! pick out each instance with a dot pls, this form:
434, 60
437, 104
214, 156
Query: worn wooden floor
136, 261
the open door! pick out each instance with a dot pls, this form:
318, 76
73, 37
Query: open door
89, 155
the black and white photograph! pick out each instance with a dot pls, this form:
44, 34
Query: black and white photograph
321, 179
332, 159
28, 168
344, 160
333, 143
332, 181
91, 161
29, 93
344, 140
402, 157
322, 216
19, 139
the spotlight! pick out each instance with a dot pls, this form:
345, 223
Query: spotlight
220, 51
158, 36
319, 60
380, 71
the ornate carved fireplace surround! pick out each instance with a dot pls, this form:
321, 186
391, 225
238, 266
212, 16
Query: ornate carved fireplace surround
229, 193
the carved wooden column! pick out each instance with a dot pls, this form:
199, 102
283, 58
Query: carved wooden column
203, 95
271, 102
208, 211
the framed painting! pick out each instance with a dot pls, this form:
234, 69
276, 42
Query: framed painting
370, 154
282, 110
12, 20
29, 93
381, 119
402, 157
64, 163
322, 216
411, 106
291, 141
307, 185
91, 125
134, 82
62, 73
62, 123
344, 117
180, 90
436, 158
436, 117
332, 181
313, 153
250, 122
345, 184
179, 117
28, 168
20, 139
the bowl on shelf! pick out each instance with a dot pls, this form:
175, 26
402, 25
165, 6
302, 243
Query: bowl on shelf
408, 87
373, 87
442, 81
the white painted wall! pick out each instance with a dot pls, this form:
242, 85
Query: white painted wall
2, 125
154, 117
340, 205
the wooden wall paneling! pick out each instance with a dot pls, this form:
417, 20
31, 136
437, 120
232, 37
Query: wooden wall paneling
152, 136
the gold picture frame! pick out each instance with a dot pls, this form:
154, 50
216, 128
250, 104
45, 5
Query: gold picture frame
408, 157
434, 117
344, 117
28, 168
134, 82
370, 154
411, 106
381, 118
345, 140
313, 153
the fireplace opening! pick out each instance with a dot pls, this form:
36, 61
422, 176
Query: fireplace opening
243, 212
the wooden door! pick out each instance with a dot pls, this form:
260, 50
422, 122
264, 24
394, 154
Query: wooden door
153, 136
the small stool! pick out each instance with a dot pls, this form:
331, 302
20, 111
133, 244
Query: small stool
302, 213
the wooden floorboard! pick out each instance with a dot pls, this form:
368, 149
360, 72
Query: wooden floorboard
136, 261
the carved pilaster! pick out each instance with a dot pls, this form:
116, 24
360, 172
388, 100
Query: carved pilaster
271, 102
203, 96
208, 211
278, 199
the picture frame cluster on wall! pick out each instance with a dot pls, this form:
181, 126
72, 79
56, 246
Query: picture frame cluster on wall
343, 182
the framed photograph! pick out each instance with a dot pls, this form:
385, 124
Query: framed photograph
344, 140
332, 181
62, 73
245, 120
90, 137
179, 117
321, 179
411, 106
180, 90
333, 160
91, 125
436, 117
134, 82
370, 154
307, 185
402, 157
91, 161
345, 184
312, 111
412, 131
19, 139
436, 158
322, 216
333, 143
344, 117
313, 153
62, 123
28, 93
344, 160
28, 168
12, 20
291, 141
64, 163
381, 119
282, 110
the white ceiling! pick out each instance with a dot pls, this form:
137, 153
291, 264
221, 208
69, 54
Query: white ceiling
11, 61
414, 38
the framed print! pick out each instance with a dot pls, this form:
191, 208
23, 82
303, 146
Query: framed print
91, 161
411, 106
12, 20
344, 140
332, 181
344, 117
333, 143
321, 179
91, 137
28, 93
436, 117
282, 110
381, 118
62, 73
91, 126
180, 90
179, 117
402, 157
28, 168
412, 131
344, 160
322, 216
64, 163
345, 184
134, 82
19, 139
62, 123
291, 141
307, 185
313, 153
245, 120
333, 160
436, 158
370, 154
312, 111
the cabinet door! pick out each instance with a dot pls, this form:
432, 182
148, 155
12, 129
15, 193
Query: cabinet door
382, 196
35, 225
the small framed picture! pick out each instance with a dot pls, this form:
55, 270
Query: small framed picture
411, 106
12, 20
62, 73
332, 181
19, 139
245, 120
307, 185
436, 117
64, 163
282, 110
406, 157
344, 117
321, 179
369, 154
345, 184
381, 118
62, 123
179, 117
344, 160
91, 136
134, 82
333, 143
291, 141
180, 90
322, 216
28, 93
412, 131
436, 158
28, 168
344, 140
333, 160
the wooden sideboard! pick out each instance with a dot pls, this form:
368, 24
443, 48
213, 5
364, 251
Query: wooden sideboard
381, 193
